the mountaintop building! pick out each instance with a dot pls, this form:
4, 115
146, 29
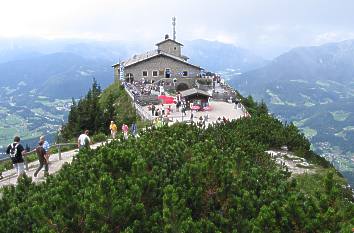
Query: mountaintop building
164, 63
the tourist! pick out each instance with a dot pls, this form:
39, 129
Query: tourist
206, 117
152, 109
113, 128
178, 104
41, 152
162, 109
16, 152
191, 118
184, 109
125, 130
134, 130
200, 122
46, 147
84, 140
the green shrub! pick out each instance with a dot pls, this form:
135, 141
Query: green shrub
180, 179
100, 137
204, 81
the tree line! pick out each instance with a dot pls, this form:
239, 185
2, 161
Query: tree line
97, 109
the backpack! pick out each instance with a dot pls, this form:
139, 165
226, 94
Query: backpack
13, 150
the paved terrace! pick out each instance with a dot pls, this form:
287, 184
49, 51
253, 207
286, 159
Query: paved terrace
219, 109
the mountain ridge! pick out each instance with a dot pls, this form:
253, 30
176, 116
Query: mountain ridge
313, 87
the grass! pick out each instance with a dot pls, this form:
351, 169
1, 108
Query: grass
340, 115
301, 122
313, 183
274, 99
309, 133
305, 167
321, 83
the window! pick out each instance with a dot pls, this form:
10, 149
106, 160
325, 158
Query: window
175, 48
154, 73
145, 73
167, 73
185, 73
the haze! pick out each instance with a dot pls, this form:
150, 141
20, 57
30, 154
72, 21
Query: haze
265, 27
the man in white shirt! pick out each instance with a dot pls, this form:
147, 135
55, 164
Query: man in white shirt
84, 140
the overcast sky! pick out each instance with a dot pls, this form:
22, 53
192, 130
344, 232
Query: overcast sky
264, 26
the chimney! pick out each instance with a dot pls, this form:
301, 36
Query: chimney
166, 36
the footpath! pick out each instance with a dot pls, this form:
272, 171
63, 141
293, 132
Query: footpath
10, 176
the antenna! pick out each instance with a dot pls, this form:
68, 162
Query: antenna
174, 27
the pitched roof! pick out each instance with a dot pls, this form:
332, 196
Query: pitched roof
151, 54
168, 40
194, 91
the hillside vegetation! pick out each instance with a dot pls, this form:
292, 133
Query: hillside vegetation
185, 179
97, 109
312, 87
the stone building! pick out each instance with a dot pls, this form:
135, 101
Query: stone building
166, 62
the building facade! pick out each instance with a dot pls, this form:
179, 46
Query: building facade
166, 61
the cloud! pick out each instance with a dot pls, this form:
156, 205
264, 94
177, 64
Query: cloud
254, 24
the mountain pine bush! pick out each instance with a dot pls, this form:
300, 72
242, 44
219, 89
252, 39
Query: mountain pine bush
181, 179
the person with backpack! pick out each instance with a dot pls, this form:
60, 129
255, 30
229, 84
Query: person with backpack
42, 159
46, 147
84, 140
16, 152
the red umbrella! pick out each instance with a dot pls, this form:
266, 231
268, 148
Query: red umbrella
207, 108
195, 107
162, 97
169, 100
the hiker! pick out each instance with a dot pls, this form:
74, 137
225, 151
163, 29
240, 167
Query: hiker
84, 140
191, 118
200, 122
16, 151
125, 130
134, 130
152, 109
113, 128
46, 147
41, 158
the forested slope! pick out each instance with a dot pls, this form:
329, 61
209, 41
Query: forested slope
185, 179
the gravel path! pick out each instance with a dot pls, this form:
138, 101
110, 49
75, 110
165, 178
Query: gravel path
10, 176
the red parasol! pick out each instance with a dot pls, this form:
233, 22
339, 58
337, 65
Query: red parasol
207, 108
195, 107
166, 99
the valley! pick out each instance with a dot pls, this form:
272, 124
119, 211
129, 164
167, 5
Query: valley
29, 115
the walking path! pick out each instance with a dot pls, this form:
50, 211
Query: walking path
10, 176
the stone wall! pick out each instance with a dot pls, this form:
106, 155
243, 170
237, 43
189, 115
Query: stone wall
116, 73
159, 64
171, 48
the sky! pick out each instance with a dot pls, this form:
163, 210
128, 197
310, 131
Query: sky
267, 27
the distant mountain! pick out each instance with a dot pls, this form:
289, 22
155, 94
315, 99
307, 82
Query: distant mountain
58, 75
314, 88
216, 56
